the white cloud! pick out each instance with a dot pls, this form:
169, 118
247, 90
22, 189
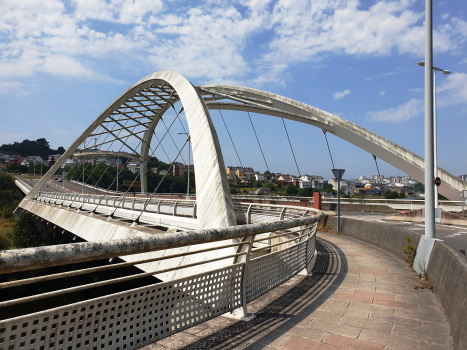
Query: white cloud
416, 90
404, 112
395, 71
444, 16
453, 90
382, 93
12, 87
339, 95
208, 39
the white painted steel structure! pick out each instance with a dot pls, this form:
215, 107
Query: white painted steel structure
144, 104
267, 255
257, 101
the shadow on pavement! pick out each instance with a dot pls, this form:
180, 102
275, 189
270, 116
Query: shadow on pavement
278, 314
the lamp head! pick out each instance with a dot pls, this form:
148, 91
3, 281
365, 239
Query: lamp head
421, 63
446, 72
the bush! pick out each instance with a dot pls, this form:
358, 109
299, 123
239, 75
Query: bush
25, 232
292, 189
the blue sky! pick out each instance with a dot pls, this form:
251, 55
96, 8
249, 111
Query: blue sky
62, 63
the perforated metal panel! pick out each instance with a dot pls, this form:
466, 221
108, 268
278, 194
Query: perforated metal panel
130, 319
268, 271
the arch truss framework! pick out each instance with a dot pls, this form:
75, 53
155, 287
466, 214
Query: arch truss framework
129, 124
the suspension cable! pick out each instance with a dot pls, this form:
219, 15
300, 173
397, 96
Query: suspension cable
296, 164
160, 182
118, 172
324, 131
172, 140
258, 141
377, 168
142, 168
231, 138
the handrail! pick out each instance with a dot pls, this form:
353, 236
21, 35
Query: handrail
47, 256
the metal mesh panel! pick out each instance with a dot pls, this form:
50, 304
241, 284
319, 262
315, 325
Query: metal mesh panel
268, 271
130, 319
310, 250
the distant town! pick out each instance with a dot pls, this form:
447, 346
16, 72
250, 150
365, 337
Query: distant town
242, 180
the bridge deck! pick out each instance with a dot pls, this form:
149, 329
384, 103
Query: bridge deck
358, 298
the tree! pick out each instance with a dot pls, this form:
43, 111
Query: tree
291, 189
402, 194
388, 194
26, 233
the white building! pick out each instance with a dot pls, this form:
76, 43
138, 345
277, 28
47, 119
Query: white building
317, 183
134, 167
259, 177
305, 184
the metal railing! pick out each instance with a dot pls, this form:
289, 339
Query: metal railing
260, 257
130, 208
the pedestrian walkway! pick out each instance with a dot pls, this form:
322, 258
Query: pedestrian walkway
359, 297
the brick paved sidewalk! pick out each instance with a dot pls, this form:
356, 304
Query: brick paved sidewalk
359, 297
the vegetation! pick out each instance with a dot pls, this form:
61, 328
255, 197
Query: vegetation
393, 194
40, 147
10, 196
410, 249
23, 232
105, 176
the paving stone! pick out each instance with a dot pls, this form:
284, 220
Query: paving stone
350, 343
273, 339
388, 339
335, 328
375, 295
433, 335
396, 304
434, 315
379, 325
353, 297
326, 316
346, 307
368, 307
308, 332
357, 313
299, 343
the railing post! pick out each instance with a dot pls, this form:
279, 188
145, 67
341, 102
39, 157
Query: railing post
248, 214
175, 208
242, 312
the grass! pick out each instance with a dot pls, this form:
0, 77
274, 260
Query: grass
6, 233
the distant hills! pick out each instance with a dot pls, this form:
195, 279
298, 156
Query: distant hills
40, 147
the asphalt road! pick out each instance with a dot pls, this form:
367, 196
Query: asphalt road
55, 186
455, 236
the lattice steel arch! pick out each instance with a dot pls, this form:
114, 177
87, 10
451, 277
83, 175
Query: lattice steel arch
150, 98
257, 101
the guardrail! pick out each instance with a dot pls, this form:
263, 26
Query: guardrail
142, 208
262, 256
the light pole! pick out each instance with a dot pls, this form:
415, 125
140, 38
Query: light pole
189, 146
435, 124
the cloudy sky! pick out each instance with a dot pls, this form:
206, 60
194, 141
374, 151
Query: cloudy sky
63, 62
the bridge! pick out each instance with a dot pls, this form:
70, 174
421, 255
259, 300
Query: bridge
192, 260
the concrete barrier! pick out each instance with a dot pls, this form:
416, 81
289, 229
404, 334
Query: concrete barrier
447, 274
446, 270
384, 236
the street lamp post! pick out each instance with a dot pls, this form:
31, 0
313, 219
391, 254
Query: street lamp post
189, 146
435, 125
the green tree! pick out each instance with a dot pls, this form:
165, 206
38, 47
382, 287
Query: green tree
402, 194
26, 233
291, 189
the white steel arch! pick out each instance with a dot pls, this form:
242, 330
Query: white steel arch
258, 101
161, 90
